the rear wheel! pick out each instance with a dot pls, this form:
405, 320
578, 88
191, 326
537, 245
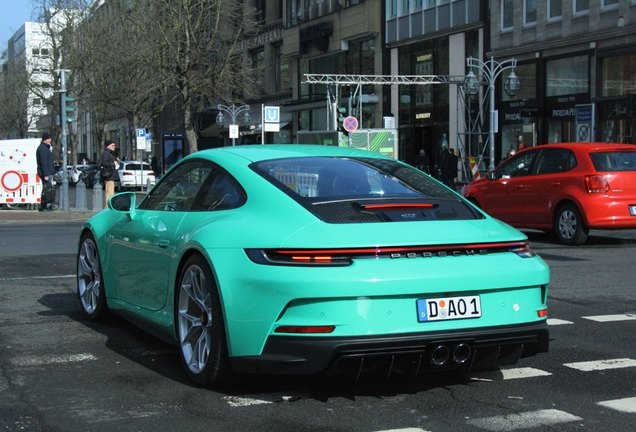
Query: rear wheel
200, 325
90, 288
569, 226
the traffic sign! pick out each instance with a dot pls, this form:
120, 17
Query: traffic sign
234, 131
350, 124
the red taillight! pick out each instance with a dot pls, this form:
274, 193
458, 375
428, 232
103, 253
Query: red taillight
305, 329
542, 313
596, 184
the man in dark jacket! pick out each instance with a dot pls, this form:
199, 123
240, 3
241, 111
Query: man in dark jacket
46, 168
108, 166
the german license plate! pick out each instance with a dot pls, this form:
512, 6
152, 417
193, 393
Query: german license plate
632, 210
448, 308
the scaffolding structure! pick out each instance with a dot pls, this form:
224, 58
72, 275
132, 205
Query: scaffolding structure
473, 135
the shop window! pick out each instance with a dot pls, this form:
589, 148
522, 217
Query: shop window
619, 75
506, 14
566, 76
554, 9
560, 132
527, 75
530, 12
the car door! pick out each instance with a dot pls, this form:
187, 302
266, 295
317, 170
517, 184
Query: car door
503, 196
540, 193
143, 249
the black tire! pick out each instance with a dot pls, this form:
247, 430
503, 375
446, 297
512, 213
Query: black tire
200, 327
90, 286
569, 226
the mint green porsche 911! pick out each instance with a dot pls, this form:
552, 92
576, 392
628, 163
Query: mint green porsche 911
299, 259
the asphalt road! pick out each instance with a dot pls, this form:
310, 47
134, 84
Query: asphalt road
59, 372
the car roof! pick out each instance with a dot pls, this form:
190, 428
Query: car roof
588, 146
256, 153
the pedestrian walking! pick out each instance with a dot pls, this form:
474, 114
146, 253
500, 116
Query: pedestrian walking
46, 171
108, 166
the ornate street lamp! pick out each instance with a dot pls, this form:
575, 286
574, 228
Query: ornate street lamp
490, 71
233, 111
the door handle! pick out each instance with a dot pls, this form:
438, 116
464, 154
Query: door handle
163, 243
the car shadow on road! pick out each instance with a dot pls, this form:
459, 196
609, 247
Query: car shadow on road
595, 238
128, 341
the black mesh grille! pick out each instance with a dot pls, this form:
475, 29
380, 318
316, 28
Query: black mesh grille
343, 212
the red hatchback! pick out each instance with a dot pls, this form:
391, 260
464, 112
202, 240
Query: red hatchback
569, 188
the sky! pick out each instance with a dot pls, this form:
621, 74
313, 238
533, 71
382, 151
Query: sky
13, 13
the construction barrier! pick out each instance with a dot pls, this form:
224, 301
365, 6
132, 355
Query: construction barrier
474, 168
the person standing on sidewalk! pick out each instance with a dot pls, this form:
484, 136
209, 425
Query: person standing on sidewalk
46, 169
108, 166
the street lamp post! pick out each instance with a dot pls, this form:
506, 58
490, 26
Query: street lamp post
490, 71
233, 111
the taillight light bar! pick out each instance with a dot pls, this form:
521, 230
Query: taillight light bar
596, 184
345, 256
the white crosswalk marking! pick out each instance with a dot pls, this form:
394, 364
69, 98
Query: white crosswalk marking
523, 421
610, 318
556, 321
37, 361
627, 405
602, 364
507, 374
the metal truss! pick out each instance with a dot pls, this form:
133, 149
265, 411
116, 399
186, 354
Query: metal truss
335, 79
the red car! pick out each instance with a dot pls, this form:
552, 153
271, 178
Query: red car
569, 188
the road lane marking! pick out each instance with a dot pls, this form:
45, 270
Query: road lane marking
238, 401
602, 364
556, 321
44, 360
507, 374
611, 318
523, 421
38, 277
404, 430
626, 405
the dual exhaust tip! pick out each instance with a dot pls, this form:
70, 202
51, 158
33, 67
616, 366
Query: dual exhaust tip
442, 354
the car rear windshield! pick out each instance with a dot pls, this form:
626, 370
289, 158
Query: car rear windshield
614, 160
137, 167
335, 178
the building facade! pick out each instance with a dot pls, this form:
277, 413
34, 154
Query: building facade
577, 67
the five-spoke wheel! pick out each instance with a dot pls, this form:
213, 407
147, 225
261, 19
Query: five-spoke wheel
90, 288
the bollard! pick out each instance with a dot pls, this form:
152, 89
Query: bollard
80, 196
98, 198
148, 185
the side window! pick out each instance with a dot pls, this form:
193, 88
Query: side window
220, 192
554, 161
178, 190
520, 165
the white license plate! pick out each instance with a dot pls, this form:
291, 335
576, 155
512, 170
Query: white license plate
448, 308
632, 210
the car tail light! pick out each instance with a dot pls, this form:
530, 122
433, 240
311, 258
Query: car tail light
542, 313
596, 184
305, 329
345, 257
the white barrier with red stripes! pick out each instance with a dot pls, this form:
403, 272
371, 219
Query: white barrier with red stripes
19, 181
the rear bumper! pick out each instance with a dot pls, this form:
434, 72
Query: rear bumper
412, 353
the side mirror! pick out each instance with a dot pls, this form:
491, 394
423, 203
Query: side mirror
491, 175
123, 202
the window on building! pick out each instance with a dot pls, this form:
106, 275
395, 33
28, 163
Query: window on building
581, 6
418, 4
281, 64
430, 3
261, 11
506, 14
35, 52
37, 102
44, 52
610, 3
618, 75
406, 6
529, 12
567, 76
392, 8
258, 65
554, 9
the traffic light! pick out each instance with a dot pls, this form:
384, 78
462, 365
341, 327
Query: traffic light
70, 108
342, 115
